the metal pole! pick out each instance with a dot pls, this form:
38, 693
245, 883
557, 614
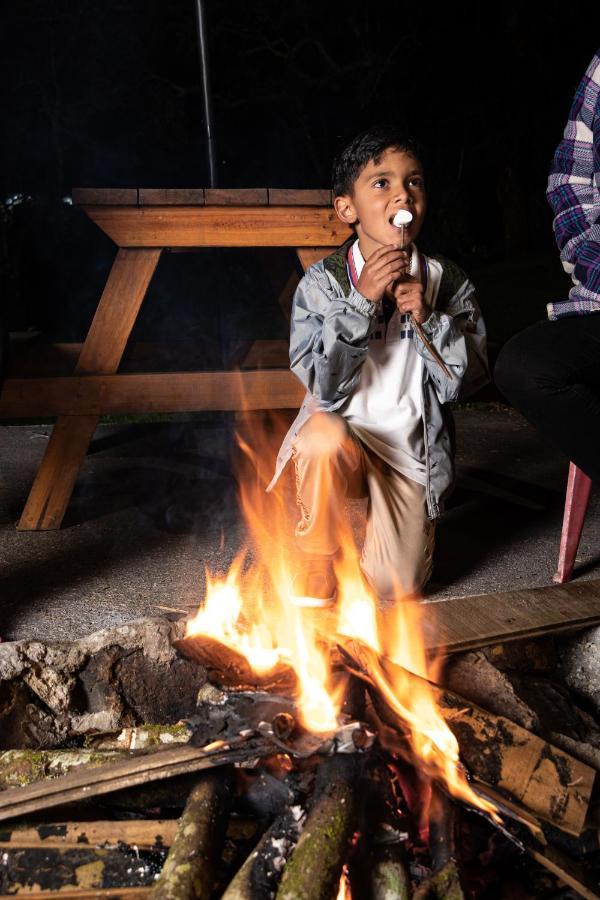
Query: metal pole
210, 140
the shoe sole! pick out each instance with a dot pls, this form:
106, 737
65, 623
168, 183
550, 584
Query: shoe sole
314, 602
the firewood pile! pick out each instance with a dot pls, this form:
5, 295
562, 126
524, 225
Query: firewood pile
228, 795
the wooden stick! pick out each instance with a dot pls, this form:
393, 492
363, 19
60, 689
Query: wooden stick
260, 873
191, 866
88, 782
313, 872
429, 346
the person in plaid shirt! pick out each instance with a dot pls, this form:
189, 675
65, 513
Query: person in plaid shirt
551, 371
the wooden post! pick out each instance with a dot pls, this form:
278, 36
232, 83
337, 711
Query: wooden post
101, 353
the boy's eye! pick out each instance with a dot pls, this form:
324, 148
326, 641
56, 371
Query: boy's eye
381, 182
417, 182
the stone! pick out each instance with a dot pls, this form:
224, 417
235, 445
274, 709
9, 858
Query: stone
579, 662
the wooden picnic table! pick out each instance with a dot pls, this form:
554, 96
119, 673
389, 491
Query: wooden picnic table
143, 223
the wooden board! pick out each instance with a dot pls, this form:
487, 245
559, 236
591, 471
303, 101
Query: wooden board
56, 476
130, 893
105, 196
117, 310
226, 226
171, 196
465, 623
158, 392
310, 255
236, 196
287, 197
75, 835
89, 781
102, 351
199, 196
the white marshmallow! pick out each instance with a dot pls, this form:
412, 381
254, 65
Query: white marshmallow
402, 217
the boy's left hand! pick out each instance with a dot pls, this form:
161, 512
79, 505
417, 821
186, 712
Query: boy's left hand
409, 296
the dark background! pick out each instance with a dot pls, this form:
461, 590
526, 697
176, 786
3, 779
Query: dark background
106, 93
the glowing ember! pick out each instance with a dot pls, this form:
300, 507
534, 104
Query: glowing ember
250, 611
344, 892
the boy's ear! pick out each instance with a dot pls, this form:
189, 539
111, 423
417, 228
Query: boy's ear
345, 210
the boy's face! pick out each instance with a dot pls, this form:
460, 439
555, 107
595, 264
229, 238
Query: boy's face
382, 188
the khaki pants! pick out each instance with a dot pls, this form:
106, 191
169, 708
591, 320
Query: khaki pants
331, 463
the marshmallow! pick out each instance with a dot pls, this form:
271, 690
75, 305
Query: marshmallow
402, 217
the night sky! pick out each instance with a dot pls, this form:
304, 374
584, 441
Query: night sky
107, 93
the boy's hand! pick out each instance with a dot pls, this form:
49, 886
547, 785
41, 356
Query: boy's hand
384, 266
409, 296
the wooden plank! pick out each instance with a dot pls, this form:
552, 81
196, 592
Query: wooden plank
155, 392
235, 226
171, 196
93, 781
465, 623
236, 196
310, 255
55, 479
129, 893
110, 329
310, 197
143, 833
117, 310
105, 196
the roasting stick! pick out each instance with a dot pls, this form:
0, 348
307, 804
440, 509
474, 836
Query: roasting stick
402, 218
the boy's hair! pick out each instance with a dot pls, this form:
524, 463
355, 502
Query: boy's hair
367, 146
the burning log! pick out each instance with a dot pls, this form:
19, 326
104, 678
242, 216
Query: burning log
261, 871
444, 885
314, 869
229, 668
190, 867
549, 782
390, 878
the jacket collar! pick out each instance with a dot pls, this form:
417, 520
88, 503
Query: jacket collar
337, 264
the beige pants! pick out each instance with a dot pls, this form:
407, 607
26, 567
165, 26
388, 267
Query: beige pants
331, 463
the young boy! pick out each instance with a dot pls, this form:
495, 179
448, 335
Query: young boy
372, 422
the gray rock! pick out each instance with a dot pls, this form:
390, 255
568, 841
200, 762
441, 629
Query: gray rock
580, 665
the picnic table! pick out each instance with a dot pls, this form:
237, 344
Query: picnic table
144, 223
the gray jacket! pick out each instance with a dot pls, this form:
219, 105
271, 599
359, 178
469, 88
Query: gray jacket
331, 324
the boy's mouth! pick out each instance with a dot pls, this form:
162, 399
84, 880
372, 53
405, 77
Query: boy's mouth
402, 218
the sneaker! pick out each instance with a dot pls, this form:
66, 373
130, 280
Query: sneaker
315, 586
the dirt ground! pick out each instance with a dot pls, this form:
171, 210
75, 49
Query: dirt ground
155, 505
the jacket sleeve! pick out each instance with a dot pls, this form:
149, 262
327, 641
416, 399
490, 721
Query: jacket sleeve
574, 197
328, 338
459, 336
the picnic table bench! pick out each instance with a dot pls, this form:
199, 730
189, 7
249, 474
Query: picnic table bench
143, 223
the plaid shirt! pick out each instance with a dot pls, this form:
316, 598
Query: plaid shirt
574, 194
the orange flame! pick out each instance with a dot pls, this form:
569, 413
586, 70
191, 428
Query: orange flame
250, 610
344, 892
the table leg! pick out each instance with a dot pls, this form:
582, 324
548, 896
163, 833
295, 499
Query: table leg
310, 255
101, 354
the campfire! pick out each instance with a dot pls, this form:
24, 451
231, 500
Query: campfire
323, 758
